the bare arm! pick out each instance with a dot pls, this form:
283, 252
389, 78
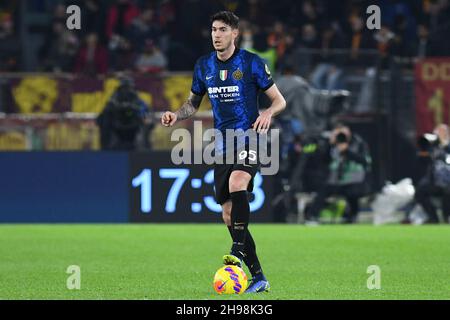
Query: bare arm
187, 110
262, 124
277, 99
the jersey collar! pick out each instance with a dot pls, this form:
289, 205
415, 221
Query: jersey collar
236, 51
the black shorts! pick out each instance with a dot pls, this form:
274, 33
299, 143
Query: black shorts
222, 173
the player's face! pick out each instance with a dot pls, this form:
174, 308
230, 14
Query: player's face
223, 36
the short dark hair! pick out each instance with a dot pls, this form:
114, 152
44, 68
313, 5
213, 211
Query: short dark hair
227, 17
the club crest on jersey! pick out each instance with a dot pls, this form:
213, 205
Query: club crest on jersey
238, 75
223, 75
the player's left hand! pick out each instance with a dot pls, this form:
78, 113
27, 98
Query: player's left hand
262, 124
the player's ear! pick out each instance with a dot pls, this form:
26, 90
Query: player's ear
235, 32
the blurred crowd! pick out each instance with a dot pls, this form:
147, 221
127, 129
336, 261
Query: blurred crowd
157, 35
9, 42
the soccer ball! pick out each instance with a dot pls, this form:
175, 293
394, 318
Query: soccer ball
230, 280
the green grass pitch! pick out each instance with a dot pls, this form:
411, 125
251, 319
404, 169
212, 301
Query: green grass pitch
178, 261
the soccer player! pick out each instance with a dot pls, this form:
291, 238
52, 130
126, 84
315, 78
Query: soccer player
233, 77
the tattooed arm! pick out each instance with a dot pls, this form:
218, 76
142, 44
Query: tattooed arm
187, 110
190, 107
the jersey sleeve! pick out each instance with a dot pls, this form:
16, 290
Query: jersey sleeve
261, 73
198, 85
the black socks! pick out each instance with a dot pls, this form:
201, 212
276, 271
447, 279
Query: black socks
240, 216
243, 244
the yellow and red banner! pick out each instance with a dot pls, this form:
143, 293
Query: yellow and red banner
40, 94
432, 88
38, 101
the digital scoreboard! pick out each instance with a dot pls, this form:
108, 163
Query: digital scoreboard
164, 192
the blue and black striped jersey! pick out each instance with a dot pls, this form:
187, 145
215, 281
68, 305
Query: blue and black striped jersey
232, 87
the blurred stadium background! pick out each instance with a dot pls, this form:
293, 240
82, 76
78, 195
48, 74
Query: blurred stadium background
389, 85
62, 162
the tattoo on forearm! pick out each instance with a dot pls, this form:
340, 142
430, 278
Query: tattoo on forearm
186, 111
189, 108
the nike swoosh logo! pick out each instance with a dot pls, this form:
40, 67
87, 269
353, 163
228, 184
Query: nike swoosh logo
222, 285
207, 78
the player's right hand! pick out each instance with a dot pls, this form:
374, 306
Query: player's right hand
168, 119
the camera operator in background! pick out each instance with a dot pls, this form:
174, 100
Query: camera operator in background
348, 170
308, 113
433, 172
304, 149
124, 118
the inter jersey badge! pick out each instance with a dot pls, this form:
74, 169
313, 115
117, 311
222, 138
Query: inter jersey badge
237, 75
223, 75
